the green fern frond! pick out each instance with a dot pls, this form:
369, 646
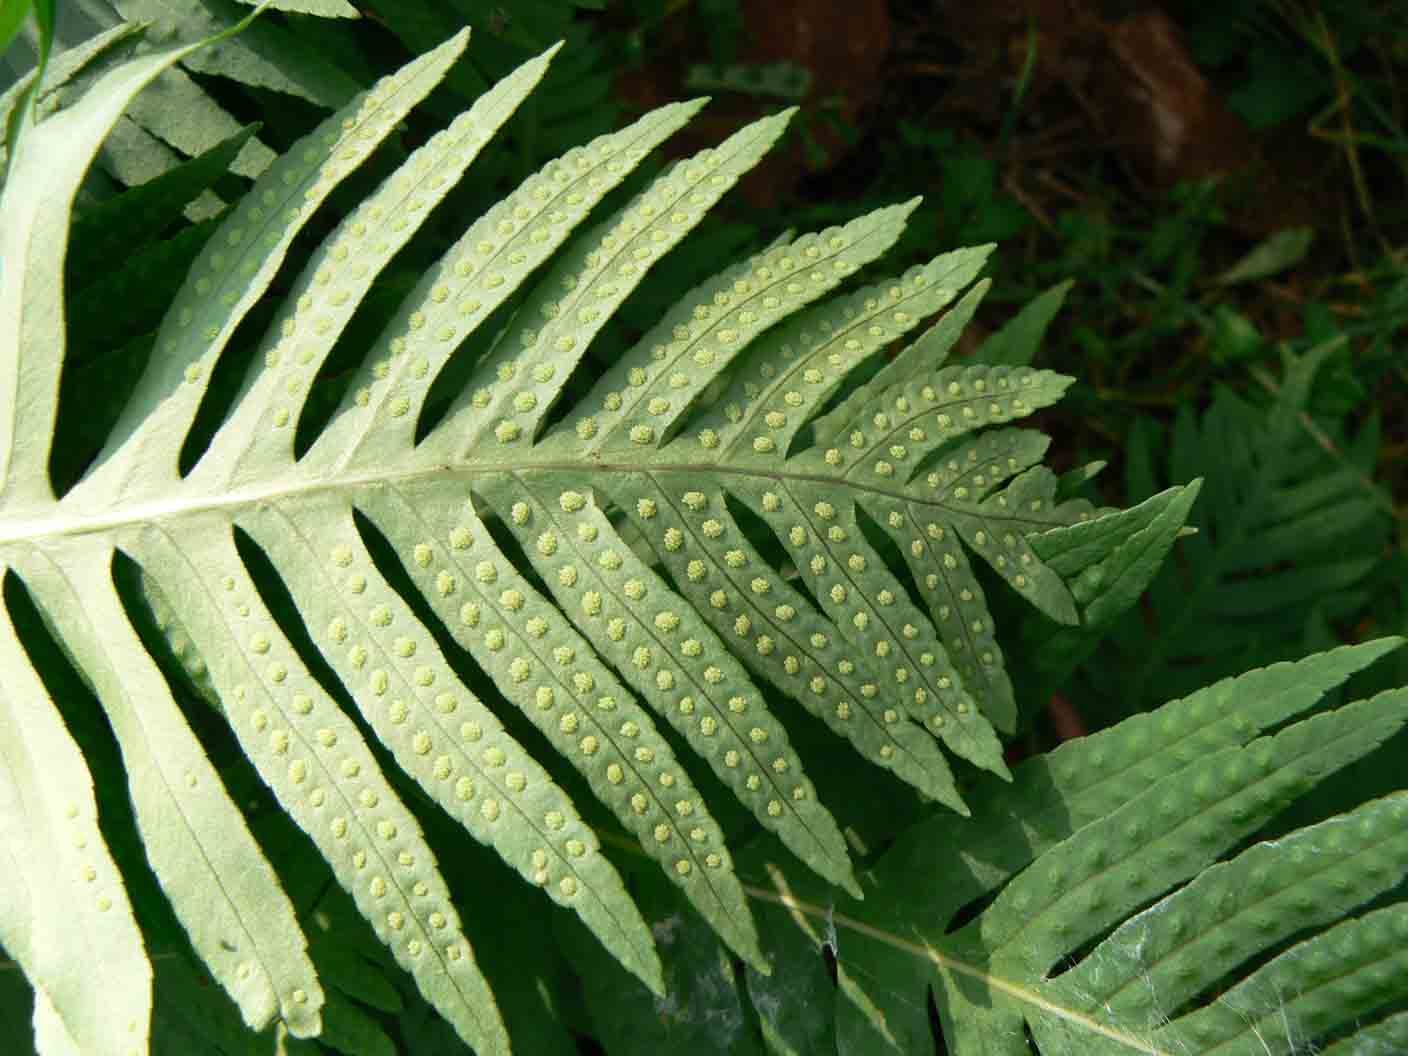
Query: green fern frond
1288, 533
1107, 900
723, 509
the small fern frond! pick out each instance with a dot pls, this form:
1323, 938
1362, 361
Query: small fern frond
1288, 534
611, 567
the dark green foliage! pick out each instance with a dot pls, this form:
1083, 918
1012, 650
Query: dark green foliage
1291, 536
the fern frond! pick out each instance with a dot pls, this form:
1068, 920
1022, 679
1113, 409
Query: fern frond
1286, 530
219, 883
1109, 563
63, 907
234, 269
321, 769
1103, 902
589, 560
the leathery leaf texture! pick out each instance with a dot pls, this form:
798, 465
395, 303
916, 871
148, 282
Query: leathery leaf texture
621, 563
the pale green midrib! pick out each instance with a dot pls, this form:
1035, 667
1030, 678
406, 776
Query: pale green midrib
63, 523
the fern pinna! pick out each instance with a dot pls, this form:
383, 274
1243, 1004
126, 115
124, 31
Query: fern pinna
741, 501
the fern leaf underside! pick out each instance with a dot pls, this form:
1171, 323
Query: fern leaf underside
644, 550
